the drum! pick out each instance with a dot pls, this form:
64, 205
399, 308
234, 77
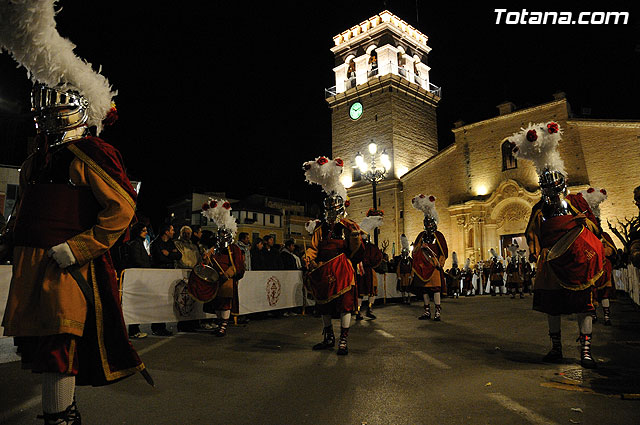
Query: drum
204, 282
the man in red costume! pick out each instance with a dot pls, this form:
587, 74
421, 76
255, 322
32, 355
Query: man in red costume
563, 236
429, 255
75, 202
227, 259
604, 289
64, 306
403, 270
336, 245
367, 277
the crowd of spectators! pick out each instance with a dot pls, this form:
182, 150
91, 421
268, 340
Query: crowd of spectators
165, 251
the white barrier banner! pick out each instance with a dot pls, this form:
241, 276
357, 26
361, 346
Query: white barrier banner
148, 296
270, 290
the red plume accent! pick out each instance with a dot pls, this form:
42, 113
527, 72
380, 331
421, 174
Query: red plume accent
591, 190
339, 162
205, 206
432, 198
532, 136
322, 160
552, 127
604, 192
226, 205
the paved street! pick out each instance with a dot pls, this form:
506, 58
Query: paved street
481, 365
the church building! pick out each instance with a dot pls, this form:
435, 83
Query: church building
384, 96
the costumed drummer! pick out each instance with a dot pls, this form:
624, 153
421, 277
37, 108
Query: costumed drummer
562, 235
429, 255
75, 201
604, 290
403, 270
366, 276
227, 261
336, 245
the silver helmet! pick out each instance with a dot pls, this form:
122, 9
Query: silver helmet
59, 112
334, 208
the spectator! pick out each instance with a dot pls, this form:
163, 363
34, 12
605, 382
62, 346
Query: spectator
290, 261
196, 237
245, 246
138, 259
190, 251
272, 260
164, 254
190, 257
257, 255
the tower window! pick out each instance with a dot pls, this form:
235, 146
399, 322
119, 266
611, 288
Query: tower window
509, 162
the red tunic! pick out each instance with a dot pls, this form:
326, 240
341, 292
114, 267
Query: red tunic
231, 263
368, 280
564, 285
332, 281
426, 275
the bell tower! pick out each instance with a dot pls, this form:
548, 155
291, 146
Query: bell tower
383, 95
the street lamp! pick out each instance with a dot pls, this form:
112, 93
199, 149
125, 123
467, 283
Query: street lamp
373, 174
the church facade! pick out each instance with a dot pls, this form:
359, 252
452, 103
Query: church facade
483, 194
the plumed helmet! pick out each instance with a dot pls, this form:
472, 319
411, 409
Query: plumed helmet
219, 210
539, 143
28, 31
594, 198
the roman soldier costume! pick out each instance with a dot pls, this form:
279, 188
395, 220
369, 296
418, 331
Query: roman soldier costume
63, 308
429, 255
367, 278
227, 260
496, 273
562, 235
515, 282
403, 270
604, 290
336, 245
453, 277
467, 278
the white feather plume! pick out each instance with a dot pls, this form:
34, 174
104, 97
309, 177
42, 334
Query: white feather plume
326, 173
404, 242
454, 258
543, 151
219, 210
370, 223
594, 197
311, 225
467, 263
28, 31
426, 204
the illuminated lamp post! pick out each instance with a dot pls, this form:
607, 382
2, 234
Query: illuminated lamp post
373, 174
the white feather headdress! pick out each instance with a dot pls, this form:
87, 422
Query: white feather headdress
370, 223
219, 210
326, 173
454, 258
404, 242
594, 198
539, 143
28, 31
426, 204
311, 225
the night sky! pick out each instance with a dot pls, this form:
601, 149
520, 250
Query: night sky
231, 97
